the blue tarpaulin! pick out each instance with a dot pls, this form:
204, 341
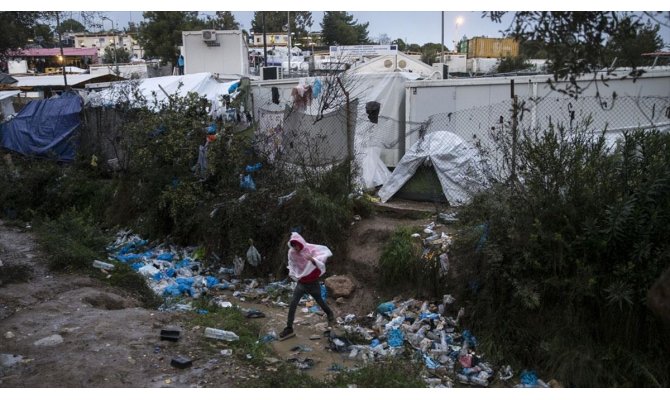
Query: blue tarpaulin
44, 128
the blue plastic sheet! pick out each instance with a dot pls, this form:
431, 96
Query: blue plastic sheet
528, 378
430, 363
429, 316
211, 281
253, 168
469, 338
247, 182
385, 308
44, 128
395, 337
165, 257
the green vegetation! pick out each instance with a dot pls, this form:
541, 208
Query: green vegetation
158, 193
392, 373
404, 265
557, 269
72, 241
232, 319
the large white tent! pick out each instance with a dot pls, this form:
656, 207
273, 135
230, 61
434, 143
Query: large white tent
204, 84
458, 165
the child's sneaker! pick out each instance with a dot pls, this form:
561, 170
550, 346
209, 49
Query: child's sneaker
286, 333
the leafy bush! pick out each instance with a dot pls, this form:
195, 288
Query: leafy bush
123, 276
569, 251
404, 264
72, 241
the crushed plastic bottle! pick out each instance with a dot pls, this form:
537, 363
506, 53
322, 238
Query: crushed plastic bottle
103, 265
220, 334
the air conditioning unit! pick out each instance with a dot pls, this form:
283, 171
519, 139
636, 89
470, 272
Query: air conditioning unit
209, 35
271, 73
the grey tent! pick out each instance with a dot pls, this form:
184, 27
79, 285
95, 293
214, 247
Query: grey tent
457, 164
6, 79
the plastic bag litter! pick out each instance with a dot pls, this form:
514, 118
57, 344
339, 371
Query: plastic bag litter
247, 182
430, 363
253, 256
395, 337
385, 308
238, 265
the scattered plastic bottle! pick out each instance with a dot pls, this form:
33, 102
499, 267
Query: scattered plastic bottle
221, 334
102, 265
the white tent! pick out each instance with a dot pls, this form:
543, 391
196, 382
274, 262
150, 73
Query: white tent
204, 84
6, 105
457, 164
400, 62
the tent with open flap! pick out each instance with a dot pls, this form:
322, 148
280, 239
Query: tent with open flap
459, 167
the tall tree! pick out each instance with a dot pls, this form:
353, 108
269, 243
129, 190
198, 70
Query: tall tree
402, 46
429, 51
275, 21
16, 28
576, 40
629, 42
339, 27
72, 25
44, 36
160, 33
383, 39
225, 20
115, 55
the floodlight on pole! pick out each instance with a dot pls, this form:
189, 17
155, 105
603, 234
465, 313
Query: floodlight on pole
459, 22
116, 67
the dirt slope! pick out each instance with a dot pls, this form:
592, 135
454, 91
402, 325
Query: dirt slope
63, 330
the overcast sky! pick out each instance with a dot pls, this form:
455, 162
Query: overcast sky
421, 26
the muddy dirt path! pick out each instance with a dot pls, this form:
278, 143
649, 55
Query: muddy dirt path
67, 330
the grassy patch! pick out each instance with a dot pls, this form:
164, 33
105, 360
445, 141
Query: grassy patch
232, 319
72, 241
391, 373
126, 278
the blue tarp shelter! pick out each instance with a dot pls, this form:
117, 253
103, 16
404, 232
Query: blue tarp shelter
44, 128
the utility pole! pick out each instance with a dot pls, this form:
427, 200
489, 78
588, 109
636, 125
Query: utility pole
442, 53
60, 44
288, 23
116, 67
265, 44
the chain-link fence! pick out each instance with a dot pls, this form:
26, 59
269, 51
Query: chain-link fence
487, 126
296, 129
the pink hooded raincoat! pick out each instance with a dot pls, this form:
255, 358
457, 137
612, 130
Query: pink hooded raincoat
299, 265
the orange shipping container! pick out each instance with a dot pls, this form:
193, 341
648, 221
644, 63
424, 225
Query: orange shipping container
481, 47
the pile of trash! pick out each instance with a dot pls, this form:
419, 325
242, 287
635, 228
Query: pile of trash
424, 328
172, 271
435, 338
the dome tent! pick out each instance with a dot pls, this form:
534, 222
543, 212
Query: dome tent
459, 168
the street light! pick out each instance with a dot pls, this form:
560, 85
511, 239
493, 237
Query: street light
116, 67
459, 22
